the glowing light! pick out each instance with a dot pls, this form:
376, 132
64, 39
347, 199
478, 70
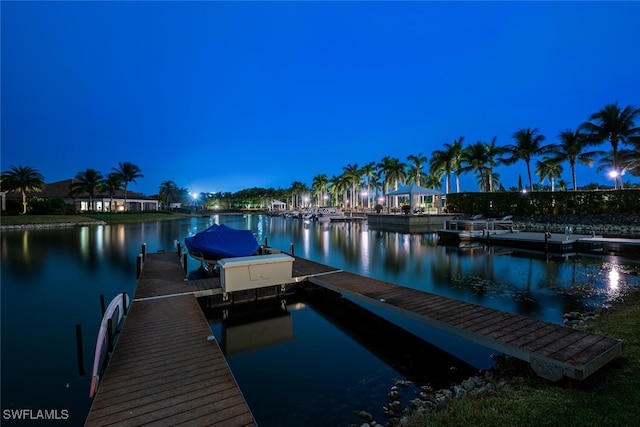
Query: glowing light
614, 278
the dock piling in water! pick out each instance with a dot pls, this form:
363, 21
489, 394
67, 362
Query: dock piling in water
79, 351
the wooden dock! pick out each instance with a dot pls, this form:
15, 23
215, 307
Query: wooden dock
165, 370
547, 242
552, 350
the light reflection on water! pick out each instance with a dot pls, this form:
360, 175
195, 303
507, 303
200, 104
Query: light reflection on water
51, 280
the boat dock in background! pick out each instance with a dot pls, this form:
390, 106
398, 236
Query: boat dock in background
555, 242
167, 367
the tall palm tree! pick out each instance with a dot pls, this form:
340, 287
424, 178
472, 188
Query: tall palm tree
87, 182
297, 191
493, 159
447, 161
549, 167
417, 162
129, 173
168, 191
571, 148
319, 187
353, 176
22, 179
630, 161
616, 126
337, 186
415, 176
370, 175
607, 162
111, 184
394, 171
475, 158
528, 143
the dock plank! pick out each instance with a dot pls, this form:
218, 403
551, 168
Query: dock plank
164, 369
531, 340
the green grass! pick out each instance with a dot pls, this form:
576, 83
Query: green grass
88, 218
609, 397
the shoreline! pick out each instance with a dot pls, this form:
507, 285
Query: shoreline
607, 225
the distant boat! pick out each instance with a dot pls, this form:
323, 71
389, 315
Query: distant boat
221, 241
475, 227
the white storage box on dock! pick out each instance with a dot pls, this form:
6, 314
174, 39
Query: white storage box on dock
257, 271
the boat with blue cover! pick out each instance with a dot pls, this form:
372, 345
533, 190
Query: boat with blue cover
221, 241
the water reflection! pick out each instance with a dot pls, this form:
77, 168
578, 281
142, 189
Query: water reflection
349, 355
51, 280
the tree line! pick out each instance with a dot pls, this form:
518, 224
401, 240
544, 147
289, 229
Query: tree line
25, 179
360, 185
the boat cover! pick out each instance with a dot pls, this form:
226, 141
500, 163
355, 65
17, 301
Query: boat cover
221, 241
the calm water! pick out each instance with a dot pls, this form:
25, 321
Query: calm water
329, 366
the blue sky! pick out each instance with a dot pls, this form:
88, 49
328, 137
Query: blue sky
221, 96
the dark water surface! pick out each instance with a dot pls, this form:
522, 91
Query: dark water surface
328, 362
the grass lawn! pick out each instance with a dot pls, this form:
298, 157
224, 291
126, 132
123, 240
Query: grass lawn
609, 397
88, 218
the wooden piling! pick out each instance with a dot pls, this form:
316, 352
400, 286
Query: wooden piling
124, 303
103, 308
79, 350
144, 251
184, 262
138, 266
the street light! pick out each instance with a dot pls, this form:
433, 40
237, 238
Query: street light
195, 200
614, 175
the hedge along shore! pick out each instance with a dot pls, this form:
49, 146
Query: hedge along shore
610, 225
42, 225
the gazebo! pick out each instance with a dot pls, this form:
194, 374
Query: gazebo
413, 191
277, 205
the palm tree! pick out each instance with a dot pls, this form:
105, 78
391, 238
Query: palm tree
447, 161
319, 187
370, 175
129, 173
86, 182
111, 184
528, 143
549, 167
353, 176
571, 149
630, 161
297, 190
493, 159
614, 125
22, 179
168, 191
417, 162
394, 171
476, 158
337, 186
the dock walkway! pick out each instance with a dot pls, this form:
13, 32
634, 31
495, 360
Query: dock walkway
554, 242
164, 369
552, 350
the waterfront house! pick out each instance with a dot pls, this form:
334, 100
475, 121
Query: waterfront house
102, 202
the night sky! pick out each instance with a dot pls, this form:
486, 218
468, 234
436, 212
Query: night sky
222, 96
